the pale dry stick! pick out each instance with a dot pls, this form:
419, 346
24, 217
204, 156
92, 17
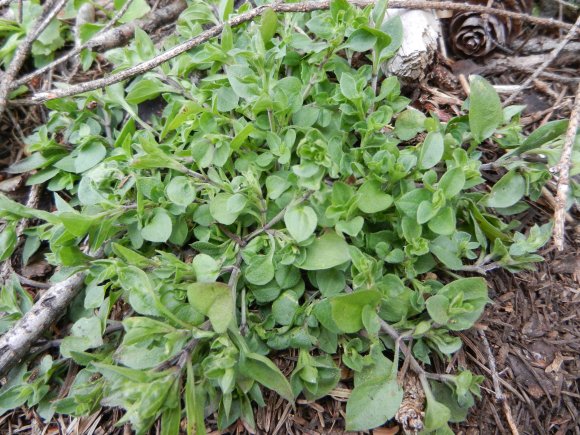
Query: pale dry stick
553, 55
547, 195
15, 344
108, 37
499, 395
308, 6
50, 11
564, 175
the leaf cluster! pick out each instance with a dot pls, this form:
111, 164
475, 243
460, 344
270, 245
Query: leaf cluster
280, 199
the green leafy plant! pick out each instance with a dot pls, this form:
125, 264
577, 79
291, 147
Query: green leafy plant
282, 200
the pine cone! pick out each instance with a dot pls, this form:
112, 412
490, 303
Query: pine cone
476, 35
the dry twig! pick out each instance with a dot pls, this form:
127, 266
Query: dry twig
499, 395
492, 367
564, 175
303, 7
50, 10
571, 33
109, 37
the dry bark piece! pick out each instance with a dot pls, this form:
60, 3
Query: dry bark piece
475, 35
411, 412
413, 61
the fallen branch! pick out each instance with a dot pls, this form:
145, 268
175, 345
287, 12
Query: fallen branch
108, 38
15, 344
308, 6
553, 55
499, 396
50, 11
564, 175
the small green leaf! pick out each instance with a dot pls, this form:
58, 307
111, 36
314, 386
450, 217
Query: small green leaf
351, 227
8, 241
437, 415
361, 40
330, 282
301, 222
507, 191
268, 25
544, 134
86, 333
347, 309
264, 371
147, 89
227, 99
425, 212
452, 182
372, 403
77, 224
444, 222
213, 300
409, 123
485, 112
372, 199
431, 150
326, 252
159, 227
348, 87
260, 270
225, 208
180, 191
206, 268
438, 308
284, 308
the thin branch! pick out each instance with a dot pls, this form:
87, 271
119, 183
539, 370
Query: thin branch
482, 269
108, 37
499, 396
32, 283
564, 175
50, 11
308, 6
553, 55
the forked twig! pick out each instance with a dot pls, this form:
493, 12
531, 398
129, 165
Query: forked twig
564, 175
